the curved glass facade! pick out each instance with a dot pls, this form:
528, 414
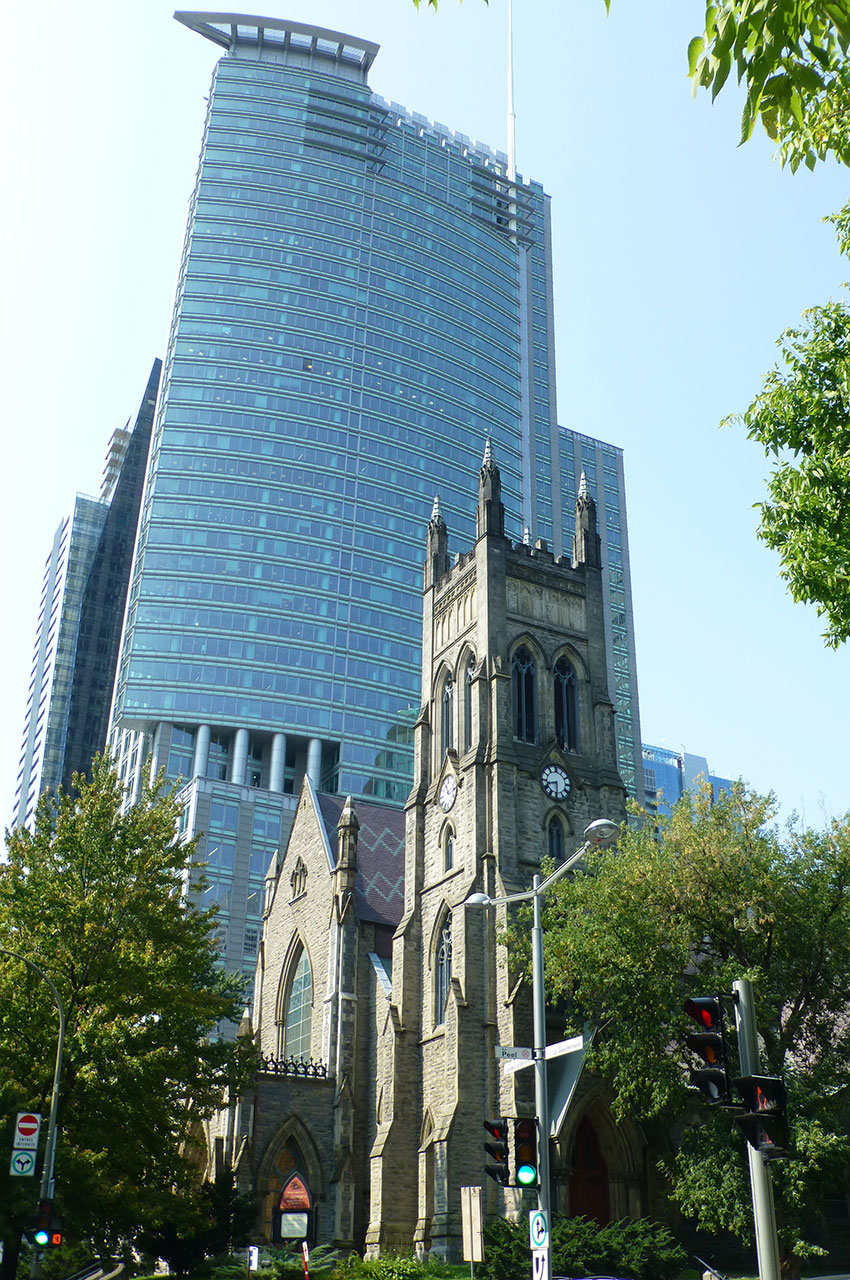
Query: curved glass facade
363, 298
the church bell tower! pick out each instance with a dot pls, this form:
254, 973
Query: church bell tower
514, 755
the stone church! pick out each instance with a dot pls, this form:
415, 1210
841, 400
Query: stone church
380, 996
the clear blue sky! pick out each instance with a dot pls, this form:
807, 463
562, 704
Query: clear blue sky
679, 258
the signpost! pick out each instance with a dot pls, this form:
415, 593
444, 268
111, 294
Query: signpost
27, 1129
25, 1144
23, 1164
538, 1233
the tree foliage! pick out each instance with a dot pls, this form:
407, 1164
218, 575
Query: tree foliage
801, 417
685, 907
94, 896
791, 57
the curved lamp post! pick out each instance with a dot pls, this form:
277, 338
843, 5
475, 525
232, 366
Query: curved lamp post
598, 835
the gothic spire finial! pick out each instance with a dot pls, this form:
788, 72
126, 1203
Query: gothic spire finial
487, 461
435, 510
583, 491
526, 537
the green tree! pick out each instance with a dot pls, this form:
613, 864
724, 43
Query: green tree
720, 895
801, 418
95, 897
791, 58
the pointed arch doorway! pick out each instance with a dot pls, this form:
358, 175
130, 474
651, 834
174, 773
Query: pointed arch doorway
588, 1184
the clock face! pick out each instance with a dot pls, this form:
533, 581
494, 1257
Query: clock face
555, 782
448, 792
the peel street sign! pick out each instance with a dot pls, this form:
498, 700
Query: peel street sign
27, 1129
511, 1053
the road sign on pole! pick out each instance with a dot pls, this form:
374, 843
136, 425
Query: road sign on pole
512, 1053
27, 1129
22, 1164
538, 1229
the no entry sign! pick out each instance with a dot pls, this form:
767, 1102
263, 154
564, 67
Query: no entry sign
27, 1127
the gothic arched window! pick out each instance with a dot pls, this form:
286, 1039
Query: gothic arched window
448, 713
298, 1009
443, 970
556, 841
524, 675
566, 706
448, 849
467, 702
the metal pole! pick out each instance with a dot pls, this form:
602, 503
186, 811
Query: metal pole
541, 1085
764, 1215
47, 1179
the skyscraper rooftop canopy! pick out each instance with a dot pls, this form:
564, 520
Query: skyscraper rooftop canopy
232, 29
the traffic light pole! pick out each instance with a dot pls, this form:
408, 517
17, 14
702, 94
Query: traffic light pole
764, 1215
541, 1083
47, 1181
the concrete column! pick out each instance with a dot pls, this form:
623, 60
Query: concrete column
155, 753
277, 764
314, 761
201, 758
240, 757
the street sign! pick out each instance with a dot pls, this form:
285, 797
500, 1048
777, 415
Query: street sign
22, 1164
27, 1128
509, 1053
539, 1265
564, 1046
538, 1229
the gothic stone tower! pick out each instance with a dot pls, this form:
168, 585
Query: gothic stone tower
514, 755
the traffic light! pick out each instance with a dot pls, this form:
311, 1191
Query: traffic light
763, 1119
525, 1150
709, 1043
44, 1228
497, 1150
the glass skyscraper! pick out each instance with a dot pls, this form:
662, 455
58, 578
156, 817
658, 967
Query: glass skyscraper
602, 464
364, 298
84, 592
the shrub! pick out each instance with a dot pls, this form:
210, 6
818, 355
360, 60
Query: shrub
635, 1250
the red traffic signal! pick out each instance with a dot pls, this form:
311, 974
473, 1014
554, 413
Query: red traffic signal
497, 1150
709, 1043
763, 1119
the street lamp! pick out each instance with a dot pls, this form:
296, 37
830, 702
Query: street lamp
598, 835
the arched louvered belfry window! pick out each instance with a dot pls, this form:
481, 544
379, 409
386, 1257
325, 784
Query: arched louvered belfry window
566, 706
443, 970
469, 676
298, 1011
524, 674
448, 707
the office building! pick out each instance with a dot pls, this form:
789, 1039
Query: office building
669, 774
602, 466
83, 596
364, 299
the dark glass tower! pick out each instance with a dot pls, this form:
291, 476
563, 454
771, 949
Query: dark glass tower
84, 592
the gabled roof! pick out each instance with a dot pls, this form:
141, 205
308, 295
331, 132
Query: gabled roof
380, 856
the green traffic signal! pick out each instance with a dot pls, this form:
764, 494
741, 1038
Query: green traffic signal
525, 1148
